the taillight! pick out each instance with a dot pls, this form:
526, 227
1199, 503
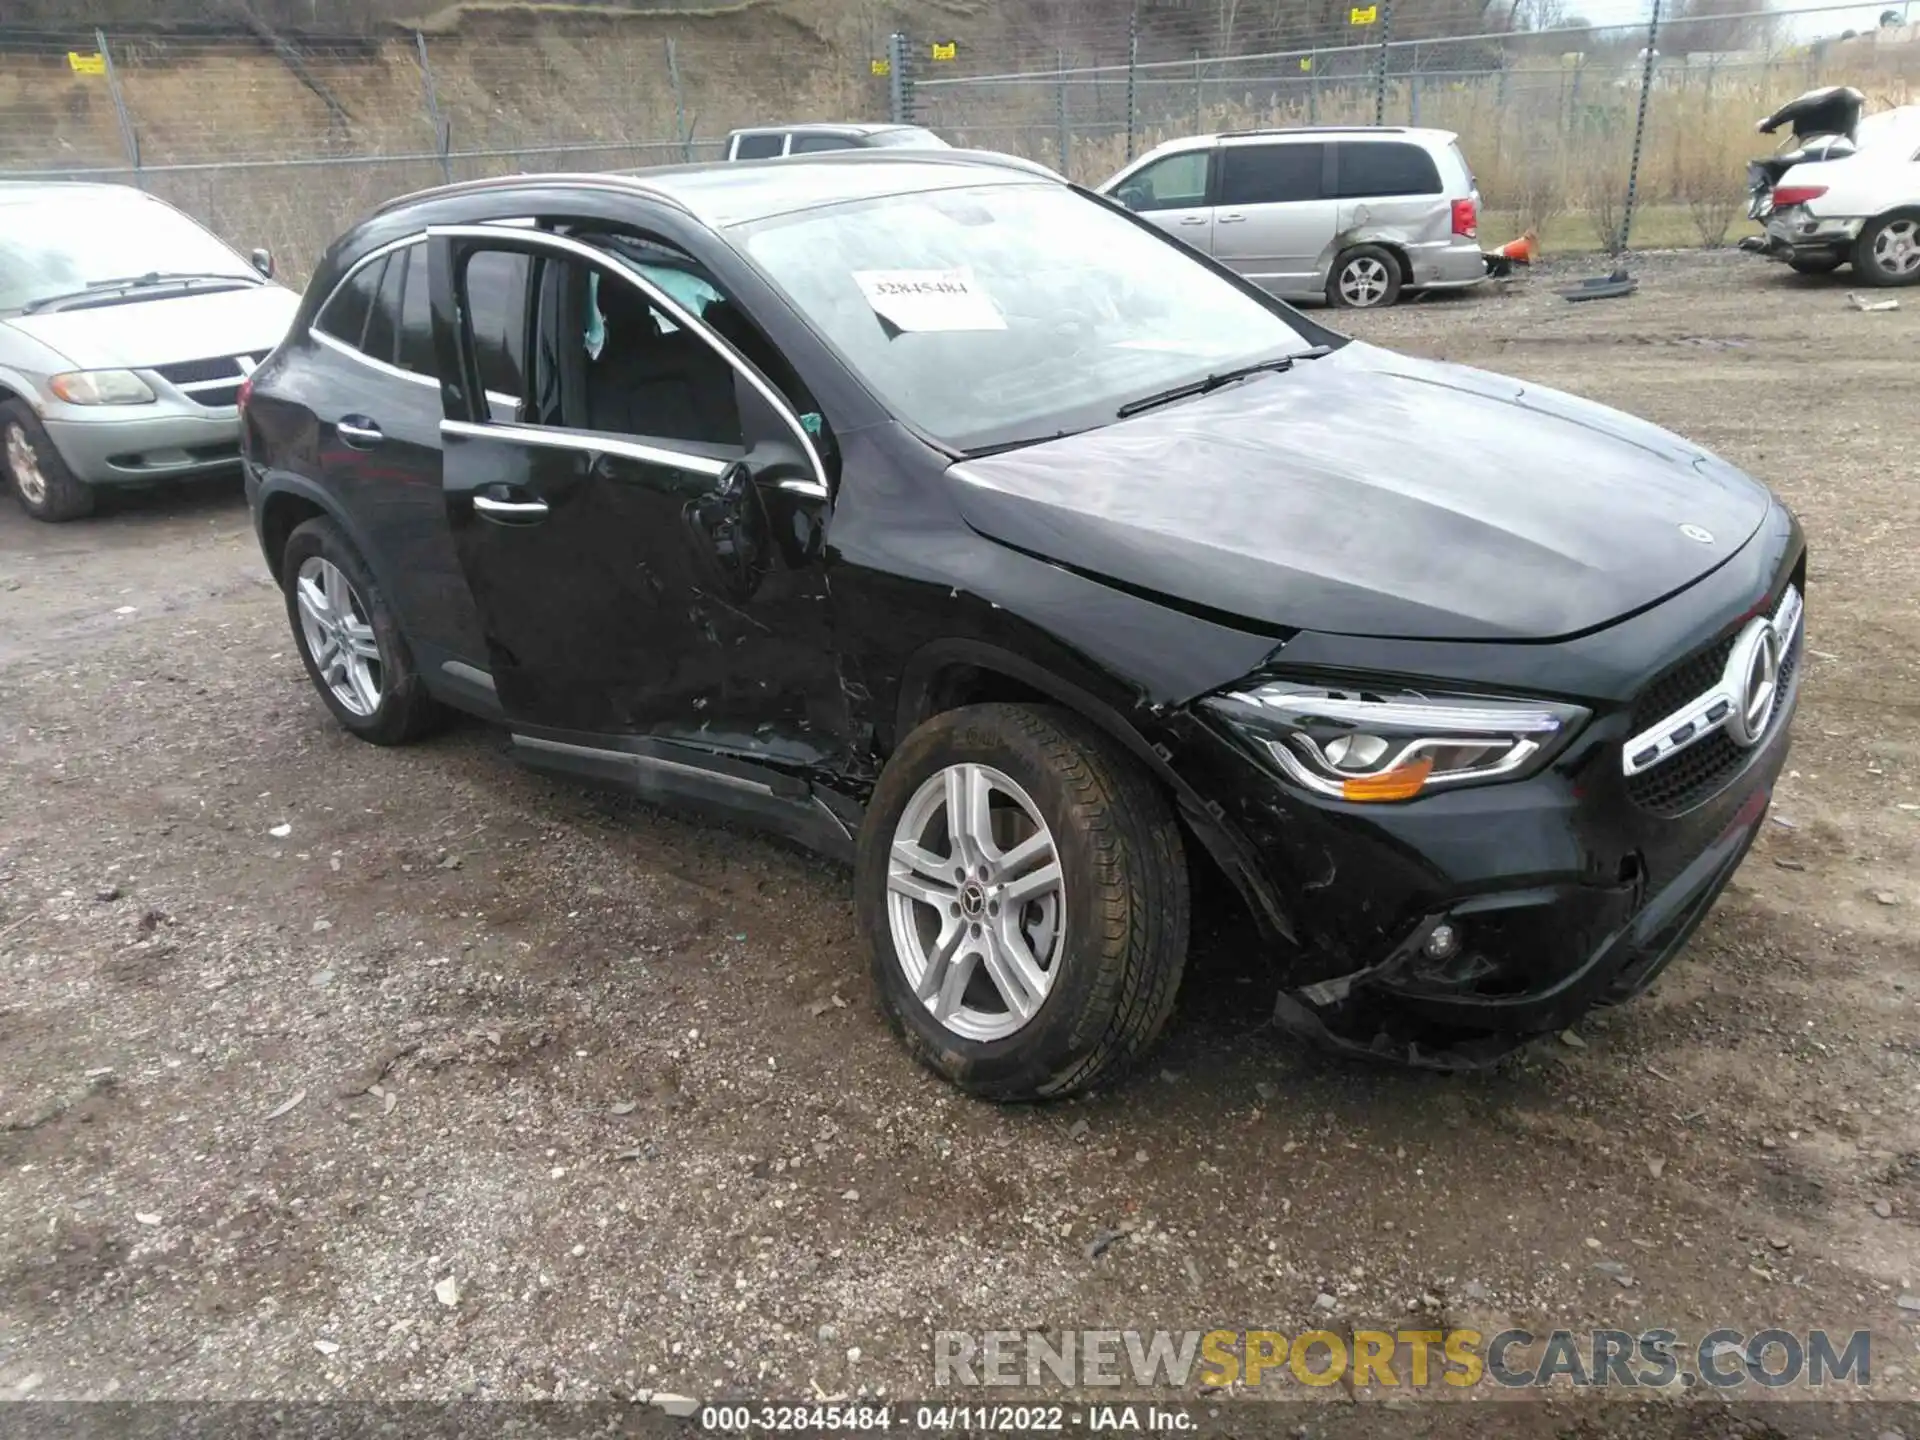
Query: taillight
1785, 195
245, 393
1466, 218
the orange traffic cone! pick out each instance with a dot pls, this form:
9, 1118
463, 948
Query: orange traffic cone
1522, 251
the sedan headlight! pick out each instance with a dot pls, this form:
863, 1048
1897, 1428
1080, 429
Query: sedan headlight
101, 387
1357, 743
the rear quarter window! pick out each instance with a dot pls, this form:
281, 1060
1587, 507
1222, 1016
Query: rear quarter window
1366, 169
760, 147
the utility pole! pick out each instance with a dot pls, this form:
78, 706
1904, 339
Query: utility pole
1380, 73
1640, 126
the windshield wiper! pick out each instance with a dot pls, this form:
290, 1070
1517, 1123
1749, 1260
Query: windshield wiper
1209, 383
100, 292
980, 452
170, 277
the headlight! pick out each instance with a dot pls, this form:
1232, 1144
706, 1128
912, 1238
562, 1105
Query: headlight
1355, 743
101, 387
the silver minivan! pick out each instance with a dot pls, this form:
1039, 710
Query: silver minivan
1350, 214
126, 333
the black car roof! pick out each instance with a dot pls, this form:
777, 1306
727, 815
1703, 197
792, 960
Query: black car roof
720, 194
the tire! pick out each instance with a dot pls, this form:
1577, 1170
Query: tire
38, 477
390, 705
1366, 277
1888, 250
1108, 940
1814, 264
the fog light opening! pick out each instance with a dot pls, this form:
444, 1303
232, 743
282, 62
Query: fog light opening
1442, 943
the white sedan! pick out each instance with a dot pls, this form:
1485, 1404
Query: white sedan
1863, 208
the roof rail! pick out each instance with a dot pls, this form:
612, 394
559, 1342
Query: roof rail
593, 179
635, 181
1314, 130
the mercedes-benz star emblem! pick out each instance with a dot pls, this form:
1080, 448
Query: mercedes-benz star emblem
1694, 532
1756, 661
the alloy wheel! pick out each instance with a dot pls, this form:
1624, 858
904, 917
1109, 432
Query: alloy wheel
339, 636
1363, 282
25, 464
976, 901
1897, 247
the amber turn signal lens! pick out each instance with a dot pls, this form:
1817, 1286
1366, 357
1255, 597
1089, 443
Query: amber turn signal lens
1403, 782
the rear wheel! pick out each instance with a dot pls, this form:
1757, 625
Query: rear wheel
349, 640
39, 478
1364, 278
1888, 250
1023, 890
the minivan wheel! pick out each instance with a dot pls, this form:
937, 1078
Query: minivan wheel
1364, 278
39, 478
1023, 891
349, 641
1888, 250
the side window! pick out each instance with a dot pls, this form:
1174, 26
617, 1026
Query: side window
760, 147
1369, 168
383, 320
344, 317
1269, 174
1178, 182
497, 308
416, 314
605, 359
814, 144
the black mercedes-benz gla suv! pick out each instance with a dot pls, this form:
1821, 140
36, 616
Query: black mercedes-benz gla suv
952, 521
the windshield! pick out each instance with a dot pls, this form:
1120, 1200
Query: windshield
56, 246
999, 314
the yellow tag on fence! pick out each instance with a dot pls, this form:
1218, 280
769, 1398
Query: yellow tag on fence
1366, 16
947, 51
881, 67
94, 64
1306, 62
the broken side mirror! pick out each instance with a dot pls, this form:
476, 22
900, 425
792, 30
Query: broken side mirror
262, 260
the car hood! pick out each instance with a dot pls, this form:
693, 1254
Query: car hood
1367, 493
159, 331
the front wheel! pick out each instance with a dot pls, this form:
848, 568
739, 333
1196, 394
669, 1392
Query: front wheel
39, 478
1364, 278
1888, 250
1023, 891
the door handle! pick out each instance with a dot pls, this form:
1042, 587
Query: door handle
1229, 219
512, 510
1193, 219
359, 432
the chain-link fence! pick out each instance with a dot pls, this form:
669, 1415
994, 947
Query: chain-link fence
283, 139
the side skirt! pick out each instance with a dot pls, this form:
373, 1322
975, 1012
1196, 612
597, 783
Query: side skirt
682, 778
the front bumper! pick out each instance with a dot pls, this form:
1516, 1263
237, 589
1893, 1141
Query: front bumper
1572, 888
163, 444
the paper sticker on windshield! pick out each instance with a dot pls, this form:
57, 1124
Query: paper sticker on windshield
929, 299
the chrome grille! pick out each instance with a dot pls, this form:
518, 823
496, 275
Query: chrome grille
1682, 753
214, 382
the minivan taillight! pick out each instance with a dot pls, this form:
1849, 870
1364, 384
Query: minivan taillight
1785, 195
1466, 218
245, 393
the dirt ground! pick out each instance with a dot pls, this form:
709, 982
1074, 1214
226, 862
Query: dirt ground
633, 1097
